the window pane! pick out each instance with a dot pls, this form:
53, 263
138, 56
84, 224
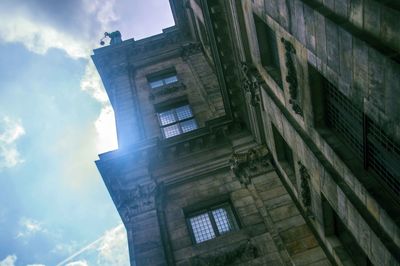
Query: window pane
183, 112
221, 218
169, 80
202, 228
188, 125
171, 131
156, 84
167, 117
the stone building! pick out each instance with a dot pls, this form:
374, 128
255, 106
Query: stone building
261, 132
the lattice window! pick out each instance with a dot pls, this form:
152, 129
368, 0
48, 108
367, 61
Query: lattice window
212, 222
177, 121
368, 142
342, 116
383, 156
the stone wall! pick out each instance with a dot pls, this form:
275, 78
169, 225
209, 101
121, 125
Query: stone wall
363, 72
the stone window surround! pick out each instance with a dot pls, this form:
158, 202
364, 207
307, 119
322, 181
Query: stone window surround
206, 207
177, 121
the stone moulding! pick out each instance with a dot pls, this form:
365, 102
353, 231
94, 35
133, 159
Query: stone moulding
291, 77
249, 164
243, 252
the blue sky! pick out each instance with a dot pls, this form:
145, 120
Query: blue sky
54, 120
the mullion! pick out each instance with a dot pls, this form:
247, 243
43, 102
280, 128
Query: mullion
213, 223
177, 121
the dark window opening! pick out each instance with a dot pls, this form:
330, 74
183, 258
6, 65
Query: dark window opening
349, 249
267, 44
176, 120
211, 222
362, 145
285, 155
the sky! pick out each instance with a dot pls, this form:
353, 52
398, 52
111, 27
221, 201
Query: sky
54, 119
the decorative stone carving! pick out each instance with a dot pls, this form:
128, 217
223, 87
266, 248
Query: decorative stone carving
305, 187
248, 164
244, 252
291, 77
189, 49
250, 82
136, 200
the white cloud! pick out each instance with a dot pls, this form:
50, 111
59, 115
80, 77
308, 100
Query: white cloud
9, 261
105, 128
109, 249
35, 264
10, 132
39, 38
112, 250
29, 227
78, 263
92, 84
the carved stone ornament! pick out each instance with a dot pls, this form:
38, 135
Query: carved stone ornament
250, 82
291, 77
190, 48
136, 200
305, 187
242, 253
251, 163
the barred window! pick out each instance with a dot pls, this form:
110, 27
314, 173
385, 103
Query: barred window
176, 121
383, 156
354, 135
211, 222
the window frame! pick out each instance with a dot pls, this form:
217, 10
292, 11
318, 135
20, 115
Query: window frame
177, 121
162, 76
267, 45
231, 215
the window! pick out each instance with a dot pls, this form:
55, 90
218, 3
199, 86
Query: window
268, 50
211, 223
361, 143
162, 79
285, 155
334, 227
176, 121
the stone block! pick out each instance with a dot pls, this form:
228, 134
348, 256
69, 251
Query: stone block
283, 212
247, 210
251, 219
272, 193
390, 31
309, 257
364, 235
372, 17
332, 45
243, 202
277, 201
356, 13
301, 244
320, 36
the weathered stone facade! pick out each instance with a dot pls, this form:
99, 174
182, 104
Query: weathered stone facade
296, 143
